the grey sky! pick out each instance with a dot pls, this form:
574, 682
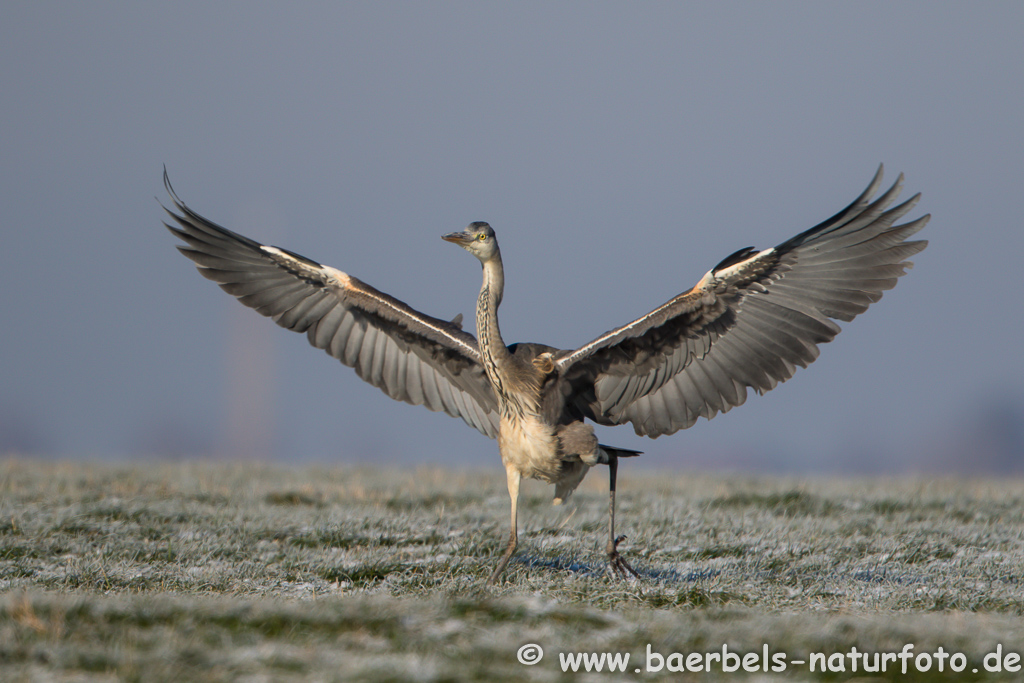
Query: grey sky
619, 150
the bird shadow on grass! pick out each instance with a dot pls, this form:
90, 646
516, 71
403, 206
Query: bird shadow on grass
599, 569
673, 576
885, 576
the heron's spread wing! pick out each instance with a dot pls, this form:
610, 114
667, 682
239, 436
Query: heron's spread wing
411, 356
749, 322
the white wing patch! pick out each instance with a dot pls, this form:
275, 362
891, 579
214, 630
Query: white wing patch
324, 274
737, 269
332, 277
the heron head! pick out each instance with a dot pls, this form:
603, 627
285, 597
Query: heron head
478, 239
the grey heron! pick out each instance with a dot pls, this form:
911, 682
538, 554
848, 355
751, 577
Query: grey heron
749, 322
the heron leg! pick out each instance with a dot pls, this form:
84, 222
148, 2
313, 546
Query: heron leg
619, 567
513, 538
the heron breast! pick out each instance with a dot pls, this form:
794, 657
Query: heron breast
531, 447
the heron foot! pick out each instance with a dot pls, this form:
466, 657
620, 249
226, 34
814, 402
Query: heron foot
617, 563
503, 562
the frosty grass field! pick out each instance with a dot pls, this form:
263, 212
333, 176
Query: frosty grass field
206, 571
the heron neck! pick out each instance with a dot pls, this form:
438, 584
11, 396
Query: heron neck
492, 348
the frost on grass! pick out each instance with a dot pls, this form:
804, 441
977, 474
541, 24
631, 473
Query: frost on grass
214, 571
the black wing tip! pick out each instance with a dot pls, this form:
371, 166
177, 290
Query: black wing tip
170, 190
866, 202
191, 222
178, 204
187, 213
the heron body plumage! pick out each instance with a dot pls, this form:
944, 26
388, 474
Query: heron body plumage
749, 322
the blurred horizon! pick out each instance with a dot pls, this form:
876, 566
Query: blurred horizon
618, 151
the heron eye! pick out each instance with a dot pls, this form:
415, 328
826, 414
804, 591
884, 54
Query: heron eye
482, 237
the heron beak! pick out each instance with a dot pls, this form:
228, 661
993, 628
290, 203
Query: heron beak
459, 238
